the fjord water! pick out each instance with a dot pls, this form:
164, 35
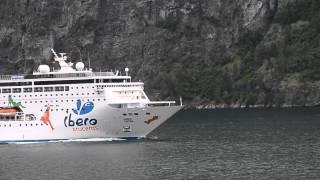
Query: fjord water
195, 144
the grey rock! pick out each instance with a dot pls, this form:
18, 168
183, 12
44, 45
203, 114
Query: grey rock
213, 53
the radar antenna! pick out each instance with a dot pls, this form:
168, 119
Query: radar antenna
54, 53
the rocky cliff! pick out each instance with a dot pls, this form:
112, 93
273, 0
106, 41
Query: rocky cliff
211, 52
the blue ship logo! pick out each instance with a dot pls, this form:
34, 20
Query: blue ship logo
84, 108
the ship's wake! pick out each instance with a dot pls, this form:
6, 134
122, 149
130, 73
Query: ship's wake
67, 140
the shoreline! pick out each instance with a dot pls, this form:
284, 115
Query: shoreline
201, 107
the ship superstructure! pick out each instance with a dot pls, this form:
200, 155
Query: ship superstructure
76, 103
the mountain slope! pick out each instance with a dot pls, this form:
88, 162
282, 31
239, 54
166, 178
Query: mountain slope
211, 52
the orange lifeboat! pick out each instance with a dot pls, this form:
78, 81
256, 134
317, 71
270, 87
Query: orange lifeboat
8, 111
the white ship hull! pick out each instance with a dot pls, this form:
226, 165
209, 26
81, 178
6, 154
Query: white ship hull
71, 104
103, 122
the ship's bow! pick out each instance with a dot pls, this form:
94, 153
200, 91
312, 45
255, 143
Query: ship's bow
154, 117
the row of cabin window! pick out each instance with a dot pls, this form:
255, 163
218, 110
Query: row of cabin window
36, 124
36, 89
130, 114
7, 118
50, 89
77, 94
80, 81
57, 101
65, 82
17, 118
124, 85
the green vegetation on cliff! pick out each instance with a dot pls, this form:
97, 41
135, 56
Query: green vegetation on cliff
210, 52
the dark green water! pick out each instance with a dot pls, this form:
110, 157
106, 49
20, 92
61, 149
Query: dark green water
194, 144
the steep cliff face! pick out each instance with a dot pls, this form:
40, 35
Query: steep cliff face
211, 52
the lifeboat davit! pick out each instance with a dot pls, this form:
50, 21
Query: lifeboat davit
8, 112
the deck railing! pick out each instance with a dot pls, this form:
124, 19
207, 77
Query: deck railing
55, 75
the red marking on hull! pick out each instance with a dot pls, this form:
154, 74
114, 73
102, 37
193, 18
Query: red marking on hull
151, 119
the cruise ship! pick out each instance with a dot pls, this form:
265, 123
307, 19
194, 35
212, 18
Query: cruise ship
74, 103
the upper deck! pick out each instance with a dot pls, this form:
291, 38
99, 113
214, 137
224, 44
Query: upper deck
53, 75
66, 72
